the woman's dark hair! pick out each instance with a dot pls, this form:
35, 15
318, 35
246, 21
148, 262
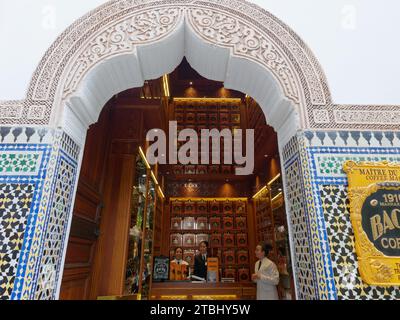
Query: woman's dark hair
205, 242
266, 247
177, 249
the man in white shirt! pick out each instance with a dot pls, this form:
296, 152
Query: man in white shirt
266, 274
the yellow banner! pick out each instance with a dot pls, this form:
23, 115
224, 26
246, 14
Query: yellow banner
374, 193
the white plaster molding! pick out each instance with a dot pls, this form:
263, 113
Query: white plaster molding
287, 128
209, 60
151, 60
163, 56
11, 111
139, 27
367, 116
124, 36
121, 27
75, 125
101, 83
244, 41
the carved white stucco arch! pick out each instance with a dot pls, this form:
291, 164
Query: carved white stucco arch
299, 70
146, 44
124, 42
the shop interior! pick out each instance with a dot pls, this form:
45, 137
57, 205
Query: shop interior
129, 215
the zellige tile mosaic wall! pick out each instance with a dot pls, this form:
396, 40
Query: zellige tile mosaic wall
37, 176
326, 154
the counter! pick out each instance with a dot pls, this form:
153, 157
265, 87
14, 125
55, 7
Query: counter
183, 290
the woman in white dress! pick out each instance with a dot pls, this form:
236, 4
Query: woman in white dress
266, 274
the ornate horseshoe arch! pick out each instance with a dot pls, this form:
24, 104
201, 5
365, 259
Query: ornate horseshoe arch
121, 44
243, 38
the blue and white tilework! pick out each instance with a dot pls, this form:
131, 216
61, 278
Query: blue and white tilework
37, 175
38, 169
326, 153
302, 254
24, 156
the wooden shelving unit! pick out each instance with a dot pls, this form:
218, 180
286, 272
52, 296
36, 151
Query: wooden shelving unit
271, 227
144, 232
234, 256
207, 113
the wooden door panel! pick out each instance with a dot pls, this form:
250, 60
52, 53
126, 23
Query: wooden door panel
86, 214
80, 252
75, 283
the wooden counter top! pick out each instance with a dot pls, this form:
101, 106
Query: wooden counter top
202, 291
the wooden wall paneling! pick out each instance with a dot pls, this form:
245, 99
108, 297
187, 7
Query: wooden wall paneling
165, 112
81, 252
110, 258
75, 284
96, 147
86, 213
127, 124
112, 247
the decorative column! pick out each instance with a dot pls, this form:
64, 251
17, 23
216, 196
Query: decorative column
325, 261
38, 170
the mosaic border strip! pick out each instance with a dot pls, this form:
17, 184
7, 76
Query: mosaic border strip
46, 146
322, 261
292, 154
355, 153
37, 181
298, 265
42, 289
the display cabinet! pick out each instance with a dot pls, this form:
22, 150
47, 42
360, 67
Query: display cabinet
220, 221
206, 113
145, 217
